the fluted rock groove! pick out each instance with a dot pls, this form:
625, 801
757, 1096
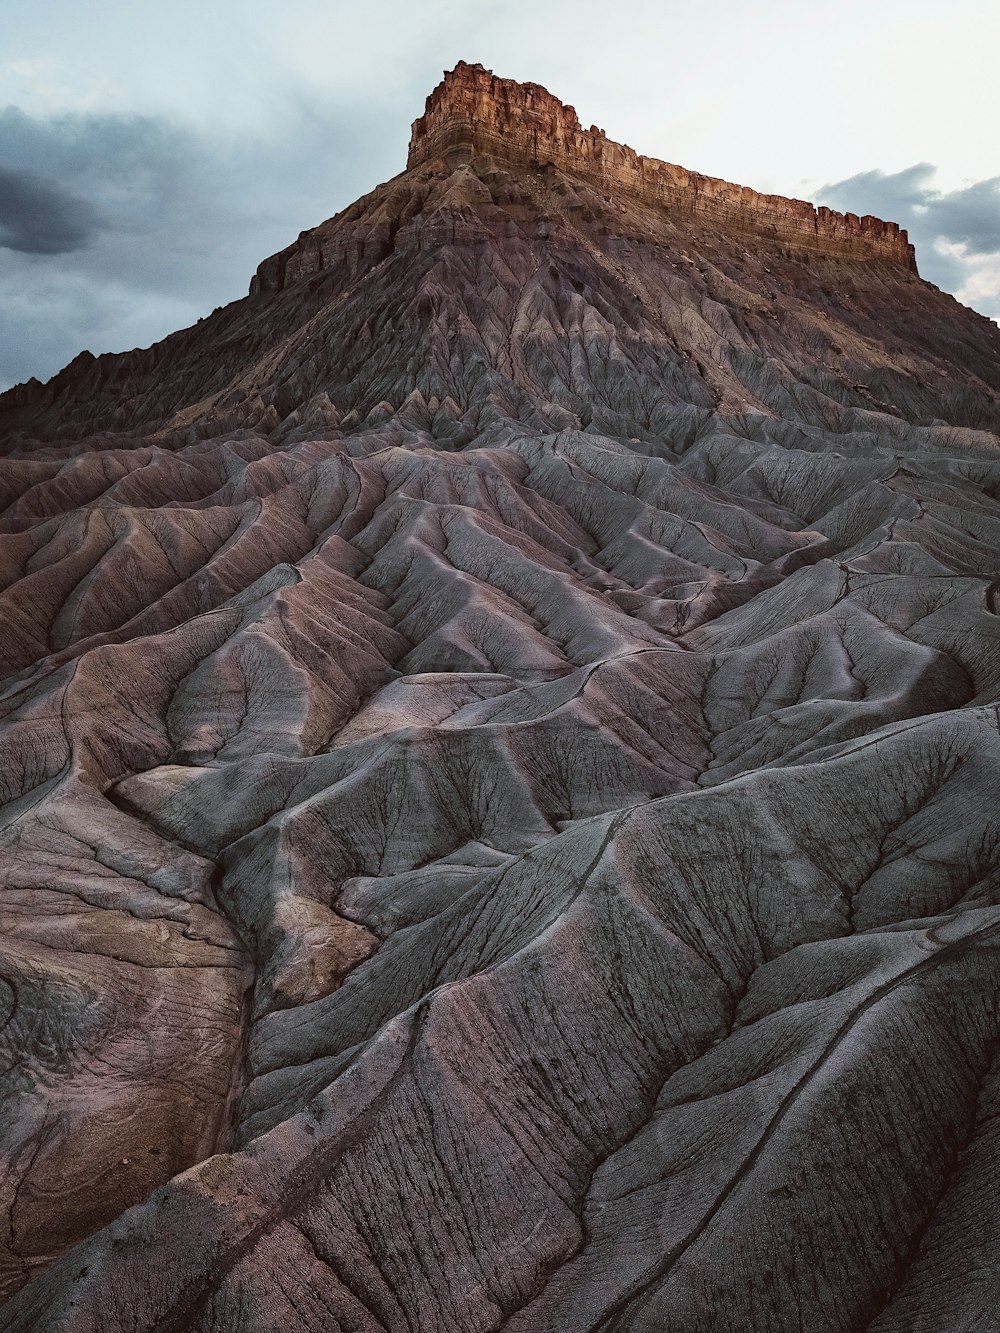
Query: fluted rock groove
501, 733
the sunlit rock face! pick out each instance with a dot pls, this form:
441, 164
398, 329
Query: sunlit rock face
500, 774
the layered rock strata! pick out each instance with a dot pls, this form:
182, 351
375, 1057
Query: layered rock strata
499, 791
472, 111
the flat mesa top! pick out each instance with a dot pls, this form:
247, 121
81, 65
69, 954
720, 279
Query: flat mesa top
474, 112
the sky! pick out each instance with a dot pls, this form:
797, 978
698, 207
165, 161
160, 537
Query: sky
153, 152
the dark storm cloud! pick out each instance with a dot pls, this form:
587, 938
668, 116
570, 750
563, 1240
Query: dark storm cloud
74, 178
117, 229
39, 218
971, 216
935, 219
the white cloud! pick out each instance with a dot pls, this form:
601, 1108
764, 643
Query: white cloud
981, 287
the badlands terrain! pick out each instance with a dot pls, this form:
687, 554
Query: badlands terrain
500, 732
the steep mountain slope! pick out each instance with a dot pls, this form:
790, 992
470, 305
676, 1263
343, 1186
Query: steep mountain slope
501, 735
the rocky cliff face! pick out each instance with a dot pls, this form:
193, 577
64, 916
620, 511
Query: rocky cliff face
472, 111
499, 802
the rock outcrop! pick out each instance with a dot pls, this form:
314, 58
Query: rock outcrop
499, 810
473, 112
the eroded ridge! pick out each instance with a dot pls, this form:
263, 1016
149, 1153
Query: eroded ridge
499, 806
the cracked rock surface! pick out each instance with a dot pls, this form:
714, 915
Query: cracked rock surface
500, 741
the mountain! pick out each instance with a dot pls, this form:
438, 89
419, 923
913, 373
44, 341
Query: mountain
500, 757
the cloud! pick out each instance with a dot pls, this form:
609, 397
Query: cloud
970, 216
39, 218
116, 229
956, 233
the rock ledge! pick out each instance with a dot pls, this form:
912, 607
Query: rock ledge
473, 111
